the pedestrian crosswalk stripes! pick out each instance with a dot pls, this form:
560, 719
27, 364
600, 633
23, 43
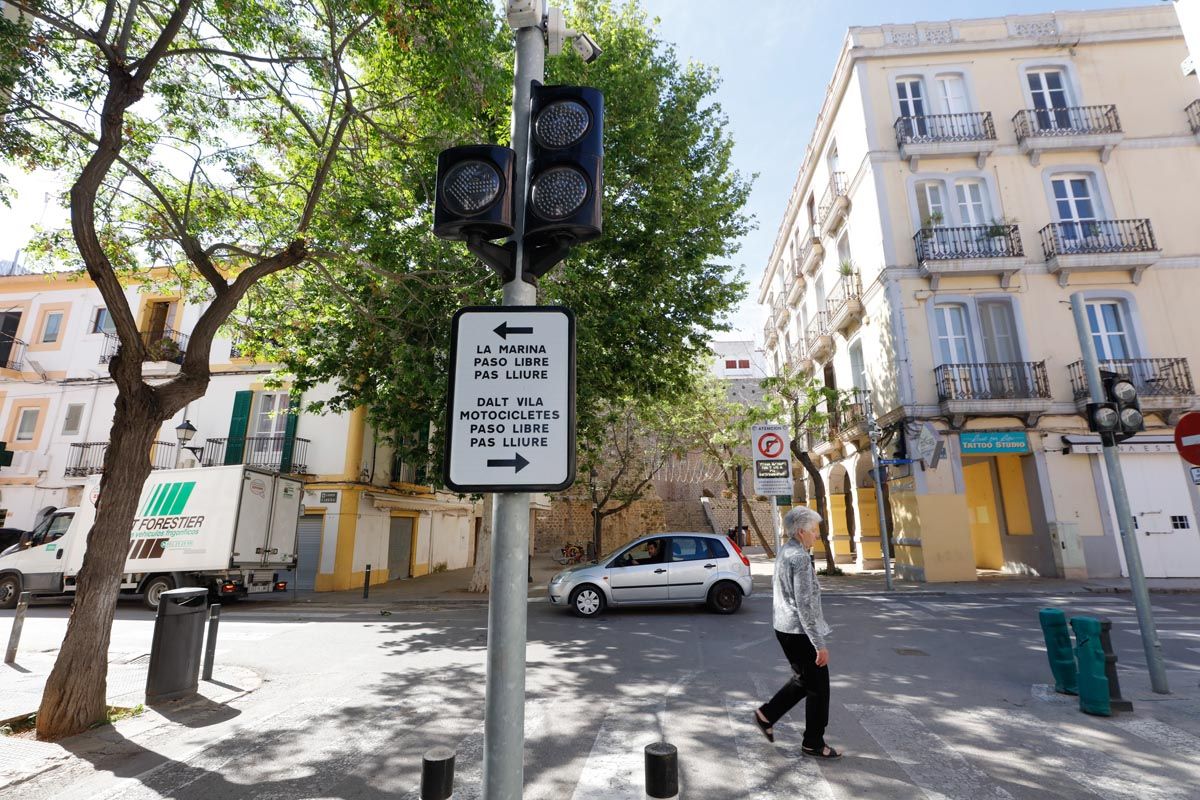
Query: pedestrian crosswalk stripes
776, 771
1170, 738
612, 769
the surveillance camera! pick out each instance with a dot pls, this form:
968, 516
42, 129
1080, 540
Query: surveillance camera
587, 49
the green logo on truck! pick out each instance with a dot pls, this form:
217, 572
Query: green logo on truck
168, 499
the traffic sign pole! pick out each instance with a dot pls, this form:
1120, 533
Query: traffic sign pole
873, 433
1116, 482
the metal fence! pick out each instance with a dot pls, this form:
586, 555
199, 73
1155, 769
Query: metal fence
836, 189
932, 128
87, 458
274, 453
818, 326
1098, 236
12, 352
848, 288
1066, 121
998, 240
1153, 377
1006, 380
165, 345
1193, 115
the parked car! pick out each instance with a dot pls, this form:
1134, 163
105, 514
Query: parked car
9, 537
658, 569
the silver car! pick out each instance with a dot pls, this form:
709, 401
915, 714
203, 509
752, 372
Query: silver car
659, 568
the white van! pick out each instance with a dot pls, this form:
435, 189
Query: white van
229, 529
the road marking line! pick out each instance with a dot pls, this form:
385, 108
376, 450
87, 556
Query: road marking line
1167, 634
930, 761
758, 759
745, 645
614, 765
1179, 742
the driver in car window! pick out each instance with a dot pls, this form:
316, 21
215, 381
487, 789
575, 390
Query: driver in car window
654, 553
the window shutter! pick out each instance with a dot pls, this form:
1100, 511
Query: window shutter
235, 445
289, 440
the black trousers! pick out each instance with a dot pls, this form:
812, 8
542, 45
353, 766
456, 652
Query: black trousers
809, 683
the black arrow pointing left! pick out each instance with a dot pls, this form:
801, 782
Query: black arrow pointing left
503, 330
519, 463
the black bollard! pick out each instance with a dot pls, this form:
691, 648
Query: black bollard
1115, 701
210, 646
662, 771
367, 582
437, 774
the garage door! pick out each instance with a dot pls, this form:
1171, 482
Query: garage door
1163, 517
308, 536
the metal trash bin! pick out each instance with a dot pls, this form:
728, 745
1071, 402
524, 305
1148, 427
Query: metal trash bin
177, 646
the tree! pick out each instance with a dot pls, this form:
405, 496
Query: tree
208, 143
810, 406
645, 295
635, 441
719, 428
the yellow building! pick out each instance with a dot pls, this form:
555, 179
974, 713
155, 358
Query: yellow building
963, 179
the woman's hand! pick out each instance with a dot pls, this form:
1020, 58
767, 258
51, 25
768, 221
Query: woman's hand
823, 657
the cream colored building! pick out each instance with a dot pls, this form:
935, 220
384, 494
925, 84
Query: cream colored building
963, 179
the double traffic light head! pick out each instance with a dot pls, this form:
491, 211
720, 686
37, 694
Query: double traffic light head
475, 184
1119, 416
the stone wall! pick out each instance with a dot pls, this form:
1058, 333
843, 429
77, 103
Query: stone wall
686, 515
570, 520
724, 510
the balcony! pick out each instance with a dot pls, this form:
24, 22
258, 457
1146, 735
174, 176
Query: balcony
1193, 115
273, 453
167, 345
845, 302
87, 458
797, 358
770, 332
853, 418
793, 284
1099, 245
780, 311
997, 389
946, 135
834, 204
12, 352
818, 338
1068, 128
972, 250
811, 254
1164, 385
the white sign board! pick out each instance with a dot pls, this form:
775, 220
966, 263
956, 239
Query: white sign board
511, 411
771, 451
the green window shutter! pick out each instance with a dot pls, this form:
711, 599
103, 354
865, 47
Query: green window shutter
289, 440
239, 421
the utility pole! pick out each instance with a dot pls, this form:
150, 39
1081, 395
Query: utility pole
1116, 483
737, 535
874, 434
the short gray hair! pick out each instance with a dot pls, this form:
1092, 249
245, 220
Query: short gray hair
800, 518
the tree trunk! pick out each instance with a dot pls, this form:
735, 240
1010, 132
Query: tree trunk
74, 698
481, 578
754, 524
820, 498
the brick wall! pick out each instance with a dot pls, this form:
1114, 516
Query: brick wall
570, 520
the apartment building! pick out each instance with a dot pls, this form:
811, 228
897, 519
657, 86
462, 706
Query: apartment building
964, 178
361, 506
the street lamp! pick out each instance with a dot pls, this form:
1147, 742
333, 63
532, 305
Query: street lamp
183, 433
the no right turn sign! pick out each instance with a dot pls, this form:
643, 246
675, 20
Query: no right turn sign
770, 448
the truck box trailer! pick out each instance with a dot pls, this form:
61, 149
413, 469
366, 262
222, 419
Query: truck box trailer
229, 529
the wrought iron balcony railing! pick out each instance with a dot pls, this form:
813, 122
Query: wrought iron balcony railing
1153, 377
845, 291
12, 352
835, 190
1010, 380
276, 453
1193, 115
87, 458
1098, 236
165, 345
935, 128
1066, 121
998, 240
818, 326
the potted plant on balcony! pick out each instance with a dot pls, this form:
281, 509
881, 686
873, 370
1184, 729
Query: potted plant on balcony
995, 236
164, 350
845, 267
935, 243
1093, 235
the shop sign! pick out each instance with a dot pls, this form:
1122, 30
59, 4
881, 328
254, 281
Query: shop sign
974, 443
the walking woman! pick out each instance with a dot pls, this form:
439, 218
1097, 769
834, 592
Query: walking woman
801, 629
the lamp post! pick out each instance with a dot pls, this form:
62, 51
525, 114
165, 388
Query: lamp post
183, 433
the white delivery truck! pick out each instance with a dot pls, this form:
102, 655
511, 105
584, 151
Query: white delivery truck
229, 529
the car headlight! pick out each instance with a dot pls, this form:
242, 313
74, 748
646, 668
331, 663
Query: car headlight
557, 579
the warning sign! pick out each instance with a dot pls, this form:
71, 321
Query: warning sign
772, 460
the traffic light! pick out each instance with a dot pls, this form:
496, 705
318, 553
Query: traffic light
5, 455
474, 193
566, 157
1120, 415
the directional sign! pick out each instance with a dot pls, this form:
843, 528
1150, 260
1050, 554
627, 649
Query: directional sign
1187, 438
510, 423
772, 461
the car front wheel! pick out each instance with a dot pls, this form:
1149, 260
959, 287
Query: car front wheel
10, 591
725, 598
587, 601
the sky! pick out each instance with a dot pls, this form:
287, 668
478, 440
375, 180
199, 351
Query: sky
775, 58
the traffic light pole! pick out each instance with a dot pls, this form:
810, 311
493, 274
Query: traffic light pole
880, 476
1116, 483
504, 702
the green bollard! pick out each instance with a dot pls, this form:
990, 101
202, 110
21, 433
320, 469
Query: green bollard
1058, 650
1093, 682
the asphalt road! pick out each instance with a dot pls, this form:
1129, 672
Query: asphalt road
933, 697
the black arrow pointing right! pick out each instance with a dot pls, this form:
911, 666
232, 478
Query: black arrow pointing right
519, 463
503, 330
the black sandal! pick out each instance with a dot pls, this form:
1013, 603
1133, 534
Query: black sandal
824, 752
764, 727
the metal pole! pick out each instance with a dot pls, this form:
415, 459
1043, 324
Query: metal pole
1116, 485
504, 703
367, 582
14, 636
884, 544
737, 535
210, 643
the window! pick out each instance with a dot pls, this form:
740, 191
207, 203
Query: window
858, 366
3, 516
72, 419
911, 96
10, 322
1110, 330
52, 327
102, 322
952, 92
641, 554
1180, 522
954, 339
843, 250
27, 424
931, 208
819, 290
731, 363
270, 419
743, 363
973, 207
1048, 91
689, 548
1074, 199
999, 332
